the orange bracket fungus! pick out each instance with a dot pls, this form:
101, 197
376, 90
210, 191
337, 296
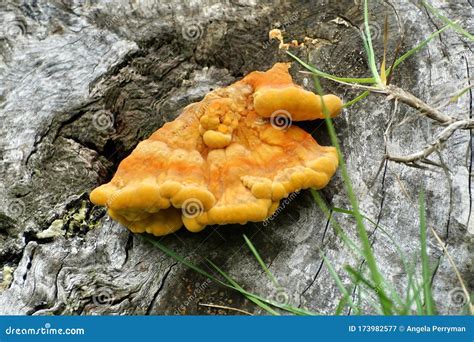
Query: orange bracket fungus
228, 159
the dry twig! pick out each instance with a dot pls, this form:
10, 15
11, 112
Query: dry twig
215, 306
436, 144
411, 100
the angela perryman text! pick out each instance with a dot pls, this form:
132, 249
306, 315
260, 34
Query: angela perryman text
406, 328
435, 328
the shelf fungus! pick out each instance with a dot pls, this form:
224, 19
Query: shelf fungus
228, 159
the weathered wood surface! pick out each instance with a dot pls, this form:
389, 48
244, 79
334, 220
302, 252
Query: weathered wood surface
82, 83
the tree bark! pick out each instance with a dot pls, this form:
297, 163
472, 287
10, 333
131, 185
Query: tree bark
82, 83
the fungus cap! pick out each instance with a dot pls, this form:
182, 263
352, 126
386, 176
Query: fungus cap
223, 160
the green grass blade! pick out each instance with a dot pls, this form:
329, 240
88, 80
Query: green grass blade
359, 294
369, 80
417, 299
367, 50
372, 303
392, 289
387, 302
408, 302
426, 272
290, 308
366, 80
417, 48
337, 228
366, 246
341, 305
356, 99
180, 259
456, 97
199, 270
236, 285
346, 295
204, 273
447, 21
417, 291
261, 301
261, 262
370, 49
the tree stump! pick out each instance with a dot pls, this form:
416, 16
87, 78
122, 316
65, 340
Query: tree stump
81, 83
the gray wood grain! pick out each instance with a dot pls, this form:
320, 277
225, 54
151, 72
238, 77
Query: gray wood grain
82, 83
